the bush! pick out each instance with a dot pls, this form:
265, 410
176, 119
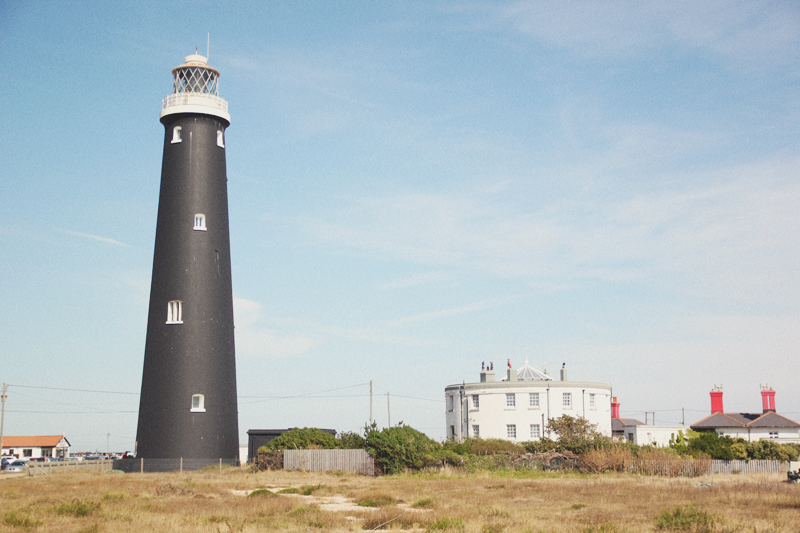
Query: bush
492, 446
350, 441
302, 439
401, 447
712, 444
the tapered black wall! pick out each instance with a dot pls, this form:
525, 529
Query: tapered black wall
197, 356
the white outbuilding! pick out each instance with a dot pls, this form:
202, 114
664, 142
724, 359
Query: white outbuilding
519, 407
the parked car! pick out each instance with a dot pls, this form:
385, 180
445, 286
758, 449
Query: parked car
17, 466
6, 461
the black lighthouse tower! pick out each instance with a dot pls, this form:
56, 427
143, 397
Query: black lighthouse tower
188, 405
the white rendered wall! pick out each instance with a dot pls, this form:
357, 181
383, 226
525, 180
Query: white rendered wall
658, 435
785, 435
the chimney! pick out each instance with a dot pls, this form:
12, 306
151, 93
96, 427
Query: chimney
767, 399
615, 408
564, 372
716, 400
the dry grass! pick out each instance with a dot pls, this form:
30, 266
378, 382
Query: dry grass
448, 501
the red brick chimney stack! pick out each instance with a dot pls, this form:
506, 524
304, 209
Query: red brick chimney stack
716, 400
615, 408
767, 399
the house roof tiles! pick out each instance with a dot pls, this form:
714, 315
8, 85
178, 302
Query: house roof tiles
745, 420
44, 441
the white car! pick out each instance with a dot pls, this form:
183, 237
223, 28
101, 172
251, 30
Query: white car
17, 466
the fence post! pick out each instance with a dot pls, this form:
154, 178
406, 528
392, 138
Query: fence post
141, 465
220, 465
181, 465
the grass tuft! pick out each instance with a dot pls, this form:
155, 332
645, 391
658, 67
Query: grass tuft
447, 523
376, 499
423, 503
76, 508
608, 527
262, 493
308, 490
20, 520
113, 496
688, 518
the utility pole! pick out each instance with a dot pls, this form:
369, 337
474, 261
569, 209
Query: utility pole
2, 416
370, 402
389, 406
108, 440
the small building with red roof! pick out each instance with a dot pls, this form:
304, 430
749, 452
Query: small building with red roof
36, 446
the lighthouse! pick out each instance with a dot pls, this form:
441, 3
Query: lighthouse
188, 408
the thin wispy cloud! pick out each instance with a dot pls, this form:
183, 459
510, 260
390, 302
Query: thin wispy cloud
445, 313
738, 237
95, 237
426, 278
741, 31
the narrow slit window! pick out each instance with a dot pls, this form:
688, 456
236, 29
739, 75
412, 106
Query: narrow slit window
200, 222
220, 139
198, 404
176, 134
175, 312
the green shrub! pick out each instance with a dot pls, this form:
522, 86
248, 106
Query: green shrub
478, 446
350, 441
302, 439
712, 444
401, 447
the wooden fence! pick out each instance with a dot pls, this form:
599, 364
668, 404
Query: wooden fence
749, 467
699, 467
358, 461
36, 468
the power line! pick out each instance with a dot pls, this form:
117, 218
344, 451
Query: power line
72, 390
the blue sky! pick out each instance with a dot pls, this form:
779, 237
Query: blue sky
414, 188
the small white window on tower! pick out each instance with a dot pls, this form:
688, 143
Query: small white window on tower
175, 312
220, 139
200, 222
176, 134
198, 404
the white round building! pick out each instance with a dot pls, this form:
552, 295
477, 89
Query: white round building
518, 407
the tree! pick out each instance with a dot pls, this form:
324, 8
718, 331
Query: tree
576, 434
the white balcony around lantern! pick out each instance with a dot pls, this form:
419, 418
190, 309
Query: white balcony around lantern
193, 102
